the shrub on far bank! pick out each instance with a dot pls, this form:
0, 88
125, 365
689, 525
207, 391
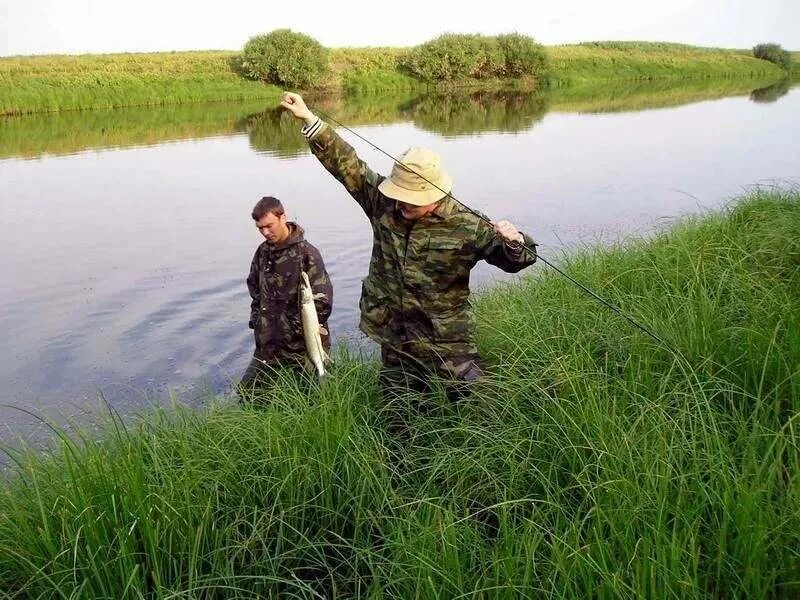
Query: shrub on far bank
774, 54
284, 57
523, 56
455, 56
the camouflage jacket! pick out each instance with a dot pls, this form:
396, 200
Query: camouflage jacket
416, 294
274, 285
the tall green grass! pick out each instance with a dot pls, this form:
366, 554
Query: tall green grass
370, 70
592, 462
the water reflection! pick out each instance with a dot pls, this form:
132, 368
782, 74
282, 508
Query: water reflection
647, 95
467, 114
31, 136
272, 132
276, 132
772, 93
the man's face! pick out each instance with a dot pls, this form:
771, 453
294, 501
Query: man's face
412, 212
273, 228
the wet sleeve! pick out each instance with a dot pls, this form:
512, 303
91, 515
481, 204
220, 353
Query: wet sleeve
511, 257
253, 287
341, 161
320, 283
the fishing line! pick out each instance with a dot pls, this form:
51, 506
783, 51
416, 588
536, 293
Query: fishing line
577, 283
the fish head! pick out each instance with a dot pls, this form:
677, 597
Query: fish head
306, 293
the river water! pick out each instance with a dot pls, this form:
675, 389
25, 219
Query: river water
125, 236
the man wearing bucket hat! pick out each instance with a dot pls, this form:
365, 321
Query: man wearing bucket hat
415, 298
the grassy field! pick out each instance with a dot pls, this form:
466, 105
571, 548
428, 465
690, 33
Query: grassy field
449, 115
641, 60
53, 83
56, 83
592, 462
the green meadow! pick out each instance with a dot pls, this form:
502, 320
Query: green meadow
57, 83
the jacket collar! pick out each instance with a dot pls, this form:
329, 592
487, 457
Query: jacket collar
296, 235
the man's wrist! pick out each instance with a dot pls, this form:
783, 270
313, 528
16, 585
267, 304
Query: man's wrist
312, 127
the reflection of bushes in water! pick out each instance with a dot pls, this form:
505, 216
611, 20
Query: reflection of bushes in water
274, 131
646, 95
277, 132
456, 114
772, 92
364, 109
75, 131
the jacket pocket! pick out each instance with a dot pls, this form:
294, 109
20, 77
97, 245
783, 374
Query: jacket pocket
454, 325
446, 278
444, 254
373, 304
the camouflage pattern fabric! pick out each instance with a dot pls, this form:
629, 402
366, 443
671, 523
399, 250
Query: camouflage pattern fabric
274, 283
415, 297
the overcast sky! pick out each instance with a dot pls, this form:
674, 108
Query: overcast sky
79, 26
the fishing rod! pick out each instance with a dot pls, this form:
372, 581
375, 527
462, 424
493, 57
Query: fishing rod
482, 217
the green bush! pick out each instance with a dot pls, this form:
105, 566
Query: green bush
458, 56
523, 56
774, 54
455, 56
284, 57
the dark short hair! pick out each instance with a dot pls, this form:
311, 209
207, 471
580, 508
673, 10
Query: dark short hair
267, 205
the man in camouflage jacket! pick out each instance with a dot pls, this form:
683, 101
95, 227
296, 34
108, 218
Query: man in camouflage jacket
274, 283
415, 299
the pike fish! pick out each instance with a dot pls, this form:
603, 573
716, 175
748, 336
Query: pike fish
311, 327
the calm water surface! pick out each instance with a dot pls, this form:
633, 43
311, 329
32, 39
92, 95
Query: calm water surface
125, 237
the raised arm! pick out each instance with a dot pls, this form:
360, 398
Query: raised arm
336, 155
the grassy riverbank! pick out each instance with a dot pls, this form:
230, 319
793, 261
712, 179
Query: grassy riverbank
642, 60
55, 83
591, 463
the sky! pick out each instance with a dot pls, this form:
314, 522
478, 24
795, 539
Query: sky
95, 26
